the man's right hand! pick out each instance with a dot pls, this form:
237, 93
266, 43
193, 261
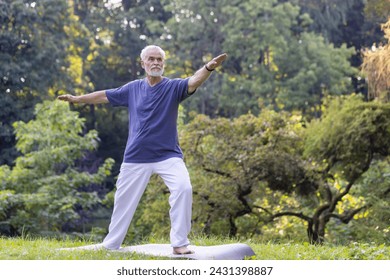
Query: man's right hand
68, 97
97, 97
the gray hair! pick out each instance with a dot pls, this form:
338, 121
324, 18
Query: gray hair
143, 52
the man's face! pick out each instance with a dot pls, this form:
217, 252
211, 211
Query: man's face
153, 63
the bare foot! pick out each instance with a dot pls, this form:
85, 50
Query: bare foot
182, 251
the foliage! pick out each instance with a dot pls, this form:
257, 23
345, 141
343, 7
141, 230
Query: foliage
373, 224
377, 10
243, 168
272, 56
345, 142
378, 176
32, 43
47, 188
335, 19
349, 134
286, 65
376, 13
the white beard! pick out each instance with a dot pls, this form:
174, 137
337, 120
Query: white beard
156, 73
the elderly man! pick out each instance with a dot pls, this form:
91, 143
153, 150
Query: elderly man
152, 144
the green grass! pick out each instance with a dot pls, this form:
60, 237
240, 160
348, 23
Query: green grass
47, 249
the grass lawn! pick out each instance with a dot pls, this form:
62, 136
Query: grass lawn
47, 249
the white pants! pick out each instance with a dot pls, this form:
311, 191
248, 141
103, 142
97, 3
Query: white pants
131, 184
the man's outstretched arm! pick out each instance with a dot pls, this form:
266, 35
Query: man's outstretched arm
203, 73
97, 97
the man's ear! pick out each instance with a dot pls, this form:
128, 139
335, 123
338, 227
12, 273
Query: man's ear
142, 64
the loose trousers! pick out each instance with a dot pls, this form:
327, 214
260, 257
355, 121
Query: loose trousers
132, 181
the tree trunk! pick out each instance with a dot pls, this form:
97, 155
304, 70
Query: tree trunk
316, 232
233, 227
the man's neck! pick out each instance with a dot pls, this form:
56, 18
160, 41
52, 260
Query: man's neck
152, 80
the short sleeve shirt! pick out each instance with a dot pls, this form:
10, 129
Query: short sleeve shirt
153, 115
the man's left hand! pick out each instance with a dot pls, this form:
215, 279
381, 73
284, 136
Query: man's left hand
216, 61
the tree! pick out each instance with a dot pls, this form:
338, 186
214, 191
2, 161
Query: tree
335, 19
48, 189
347, 140
284, 64
355, 23
235, 163
32, 43
251, 171
376, 12
272, 55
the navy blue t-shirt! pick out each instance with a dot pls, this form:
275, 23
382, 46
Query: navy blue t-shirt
153, 115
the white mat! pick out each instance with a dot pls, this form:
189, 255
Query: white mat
236, 251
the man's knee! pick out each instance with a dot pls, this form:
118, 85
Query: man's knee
184, 187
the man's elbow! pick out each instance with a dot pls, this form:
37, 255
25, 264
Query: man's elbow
193, 85
103, 97
191, 89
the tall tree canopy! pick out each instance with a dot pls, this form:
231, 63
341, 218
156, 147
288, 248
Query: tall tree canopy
32, 44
